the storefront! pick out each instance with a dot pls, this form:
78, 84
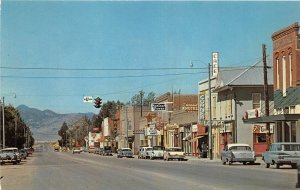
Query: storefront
171, 135
260, 138
226, 135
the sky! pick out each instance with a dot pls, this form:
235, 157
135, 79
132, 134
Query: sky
55, 52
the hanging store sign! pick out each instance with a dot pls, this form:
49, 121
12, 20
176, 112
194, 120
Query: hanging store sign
151, 130
158, 107
262, 129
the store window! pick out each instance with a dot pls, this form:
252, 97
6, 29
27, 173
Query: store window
261, 138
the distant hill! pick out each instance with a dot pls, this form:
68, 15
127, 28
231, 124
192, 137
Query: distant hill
45, 124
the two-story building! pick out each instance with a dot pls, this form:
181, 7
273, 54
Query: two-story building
286, 75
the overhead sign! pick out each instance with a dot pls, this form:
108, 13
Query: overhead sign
158, 107
88, 99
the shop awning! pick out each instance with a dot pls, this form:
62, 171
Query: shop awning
273, 118
196, 138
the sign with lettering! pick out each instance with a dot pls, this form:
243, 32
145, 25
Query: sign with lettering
202, 107
215, 63
158, 107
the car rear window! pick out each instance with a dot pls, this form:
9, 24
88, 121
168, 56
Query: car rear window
240, 148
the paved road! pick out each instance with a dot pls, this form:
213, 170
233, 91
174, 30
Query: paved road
48, 170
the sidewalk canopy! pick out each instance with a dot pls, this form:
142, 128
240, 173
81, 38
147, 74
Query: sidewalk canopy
273, 118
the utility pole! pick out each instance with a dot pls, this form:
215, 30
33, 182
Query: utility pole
210, 115
266, 92
3, 123
141, 95
126, 126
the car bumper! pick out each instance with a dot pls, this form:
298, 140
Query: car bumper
176, 157
243, 159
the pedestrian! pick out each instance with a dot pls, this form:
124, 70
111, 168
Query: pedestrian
199, 150
204, 149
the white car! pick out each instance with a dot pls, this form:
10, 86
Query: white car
145, 152
172, 153
238, 153
157, 152
76, 150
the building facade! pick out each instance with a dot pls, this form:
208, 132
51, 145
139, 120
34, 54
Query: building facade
286, 64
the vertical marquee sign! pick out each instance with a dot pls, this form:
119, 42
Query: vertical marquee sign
215, 63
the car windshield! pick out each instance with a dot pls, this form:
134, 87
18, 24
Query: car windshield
107, 148
158, 148
240, 148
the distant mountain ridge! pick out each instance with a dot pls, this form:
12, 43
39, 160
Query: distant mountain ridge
45, 124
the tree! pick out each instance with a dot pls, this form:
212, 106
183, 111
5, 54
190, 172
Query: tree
63, 133
136, 99
16, 131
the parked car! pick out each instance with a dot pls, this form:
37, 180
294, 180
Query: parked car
106, 151
98, 150
282, 153
157, 152
124, 152
76, 150
172, 153
30, 150
23, 153
91, 150
145, 152
238, 153
140, 152
10, 155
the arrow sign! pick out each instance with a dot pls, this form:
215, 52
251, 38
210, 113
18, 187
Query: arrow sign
88, 99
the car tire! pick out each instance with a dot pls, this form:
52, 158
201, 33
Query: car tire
294, 166
267, 165
277, 166
244, 163
224, 163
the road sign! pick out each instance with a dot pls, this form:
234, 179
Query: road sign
88, 99
158, 107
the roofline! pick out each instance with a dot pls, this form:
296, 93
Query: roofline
231, 87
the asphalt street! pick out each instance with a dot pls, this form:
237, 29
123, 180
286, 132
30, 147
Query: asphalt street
49, 170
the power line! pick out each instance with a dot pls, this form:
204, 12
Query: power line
99, 69
97, 77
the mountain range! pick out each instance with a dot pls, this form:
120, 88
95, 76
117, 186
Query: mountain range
45, 124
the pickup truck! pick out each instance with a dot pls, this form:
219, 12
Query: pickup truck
282, 153
10, 155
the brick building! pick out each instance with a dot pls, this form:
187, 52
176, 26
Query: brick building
286, 64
